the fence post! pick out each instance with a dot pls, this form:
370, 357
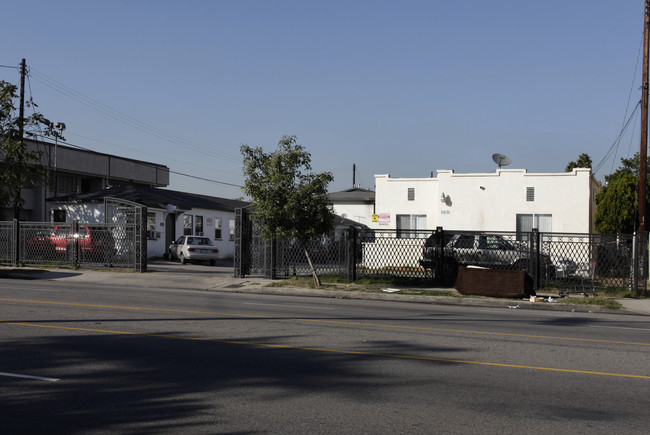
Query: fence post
438, 255
15, 245
639, 263
237, 273
74, 251
351, 253
535, 258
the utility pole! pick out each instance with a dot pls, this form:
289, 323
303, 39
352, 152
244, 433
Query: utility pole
21, 131
643, 155
354, 171
21, 115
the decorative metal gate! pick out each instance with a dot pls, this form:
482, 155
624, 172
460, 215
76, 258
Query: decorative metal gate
253, 255
8, 242
127, 221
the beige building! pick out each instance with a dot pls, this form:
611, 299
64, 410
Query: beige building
75, 170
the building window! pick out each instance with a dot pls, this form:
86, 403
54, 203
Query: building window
58, 215
411, 226
530, 194
411, 194
231, 229
526, 223
67, 184
151, 220
187, 225
198, 225
217, 228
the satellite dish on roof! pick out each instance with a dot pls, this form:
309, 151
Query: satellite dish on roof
501, 159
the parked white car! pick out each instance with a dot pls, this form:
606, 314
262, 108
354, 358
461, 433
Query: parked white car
193, 248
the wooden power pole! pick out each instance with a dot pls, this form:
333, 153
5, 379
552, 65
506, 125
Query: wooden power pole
21, 131
643, 155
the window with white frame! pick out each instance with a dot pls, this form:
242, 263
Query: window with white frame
526, 223
231, 229
409, 224
217, 228
151, 220
187, 225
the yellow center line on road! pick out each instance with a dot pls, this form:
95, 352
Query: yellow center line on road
338, 351
331, 322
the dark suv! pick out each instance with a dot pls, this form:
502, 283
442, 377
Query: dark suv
485, 250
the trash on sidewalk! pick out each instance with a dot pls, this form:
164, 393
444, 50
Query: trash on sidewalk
391, 290
513, 306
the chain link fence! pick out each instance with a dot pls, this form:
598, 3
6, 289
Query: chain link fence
88, 245
566, 263
8, 243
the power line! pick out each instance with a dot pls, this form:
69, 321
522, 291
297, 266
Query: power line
155, 166
614, 147
127, 119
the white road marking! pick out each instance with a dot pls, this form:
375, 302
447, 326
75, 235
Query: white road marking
39, 378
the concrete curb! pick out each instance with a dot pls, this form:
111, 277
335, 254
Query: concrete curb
221, 280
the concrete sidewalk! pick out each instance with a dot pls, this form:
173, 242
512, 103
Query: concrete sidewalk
219, 278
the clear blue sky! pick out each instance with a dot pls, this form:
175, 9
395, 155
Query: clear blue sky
398, 87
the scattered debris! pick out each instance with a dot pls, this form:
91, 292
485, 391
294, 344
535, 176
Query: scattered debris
513, 306
391, 290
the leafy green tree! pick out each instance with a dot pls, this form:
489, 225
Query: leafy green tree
289, 200
617, 203
20, 167
584, 161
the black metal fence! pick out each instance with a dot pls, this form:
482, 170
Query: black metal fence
88, 245
584, 263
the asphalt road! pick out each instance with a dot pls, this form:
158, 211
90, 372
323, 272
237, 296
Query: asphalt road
105, 359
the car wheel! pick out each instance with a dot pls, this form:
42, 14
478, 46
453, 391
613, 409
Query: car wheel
212, 262
182, 258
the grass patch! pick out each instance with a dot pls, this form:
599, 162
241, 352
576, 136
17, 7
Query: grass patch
365, 285
608, 303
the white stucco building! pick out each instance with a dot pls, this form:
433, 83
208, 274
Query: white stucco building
170, 214
357, 204
504, 200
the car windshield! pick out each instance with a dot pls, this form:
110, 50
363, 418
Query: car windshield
61, 231
199, 241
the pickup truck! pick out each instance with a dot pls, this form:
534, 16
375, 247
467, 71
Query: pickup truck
93, 242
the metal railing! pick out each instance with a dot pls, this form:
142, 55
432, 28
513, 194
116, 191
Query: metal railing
585, 263
88, 245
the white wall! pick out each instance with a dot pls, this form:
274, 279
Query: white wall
91, 212
491, 201
225, 245
359, 212
157, 247
391, 198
